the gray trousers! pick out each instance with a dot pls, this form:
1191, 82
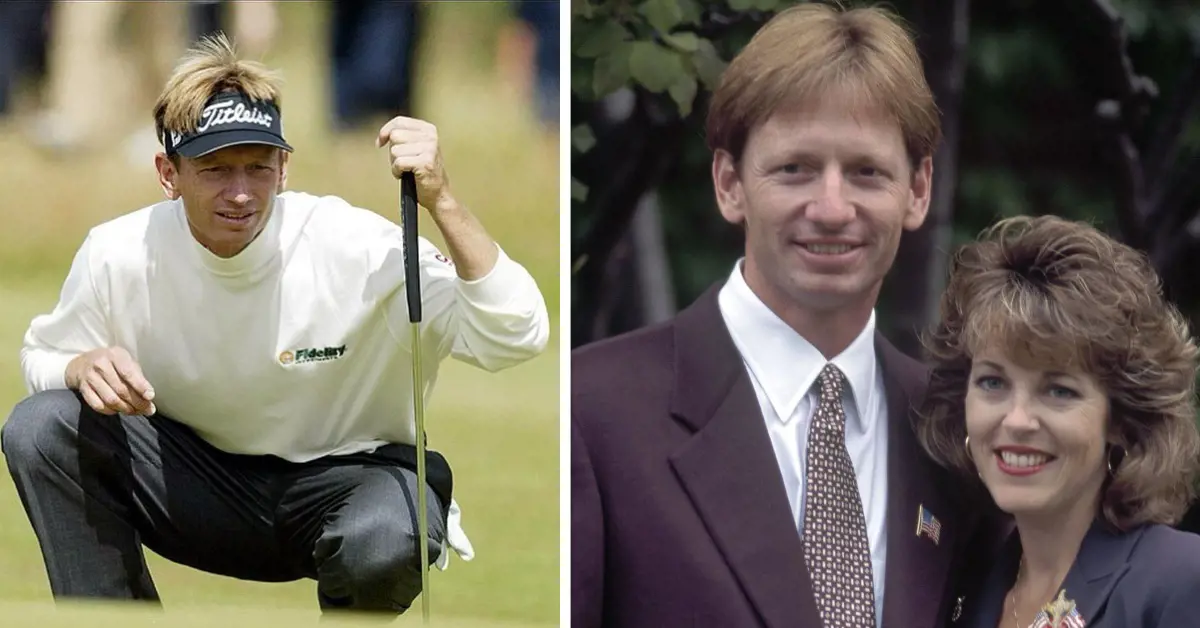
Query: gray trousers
96, 488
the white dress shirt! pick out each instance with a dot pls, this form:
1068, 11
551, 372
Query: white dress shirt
783, 367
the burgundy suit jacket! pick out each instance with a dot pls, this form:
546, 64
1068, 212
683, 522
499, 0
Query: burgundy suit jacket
679, 515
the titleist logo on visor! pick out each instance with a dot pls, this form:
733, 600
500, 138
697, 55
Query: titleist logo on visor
228, 119
228, 112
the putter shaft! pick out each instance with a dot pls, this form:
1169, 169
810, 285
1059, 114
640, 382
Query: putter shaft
412, 288
422, 506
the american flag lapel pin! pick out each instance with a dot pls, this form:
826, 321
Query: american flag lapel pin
927, 525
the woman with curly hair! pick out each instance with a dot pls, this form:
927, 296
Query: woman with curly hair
1064, 381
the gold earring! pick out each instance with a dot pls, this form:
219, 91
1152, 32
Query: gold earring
1108, 456
971, 458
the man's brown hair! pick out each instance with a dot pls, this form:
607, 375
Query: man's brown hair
1057, 292
813, 51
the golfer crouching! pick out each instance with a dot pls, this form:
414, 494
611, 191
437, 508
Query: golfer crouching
227, 378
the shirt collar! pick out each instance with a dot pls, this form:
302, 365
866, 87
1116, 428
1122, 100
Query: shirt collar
784, 363
257, 254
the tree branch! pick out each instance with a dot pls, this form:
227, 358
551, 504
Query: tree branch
1166, 256
655, 140
923, 255
1120, 117
717, 25
1168, 138
1134, 90
1130, 184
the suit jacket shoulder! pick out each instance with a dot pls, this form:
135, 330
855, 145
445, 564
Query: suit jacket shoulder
1164, 577
1164, 551
623, 361
899, 362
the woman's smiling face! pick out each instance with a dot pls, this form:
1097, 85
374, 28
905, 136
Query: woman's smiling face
1037, 434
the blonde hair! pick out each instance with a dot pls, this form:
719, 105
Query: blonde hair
812, 51
1054, 291
210, 67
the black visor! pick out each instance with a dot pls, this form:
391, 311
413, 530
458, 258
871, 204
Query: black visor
229, 119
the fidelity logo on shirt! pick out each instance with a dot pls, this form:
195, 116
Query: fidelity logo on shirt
302, 356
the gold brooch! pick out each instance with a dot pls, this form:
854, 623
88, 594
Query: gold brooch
1061, 613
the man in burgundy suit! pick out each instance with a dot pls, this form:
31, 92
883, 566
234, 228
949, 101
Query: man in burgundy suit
751, 462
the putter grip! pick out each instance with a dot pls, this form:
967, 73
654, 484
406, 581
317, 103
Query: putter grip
412, 262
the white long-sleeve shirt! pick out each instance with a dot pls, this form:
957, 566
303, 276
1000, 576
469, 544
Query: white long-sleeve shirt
299, 346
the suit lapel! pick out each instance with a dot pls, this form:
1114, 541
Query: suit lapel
917, 567
1102, 560
729, 472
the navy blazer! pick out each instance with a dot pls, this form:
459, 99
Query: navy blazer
1145, 578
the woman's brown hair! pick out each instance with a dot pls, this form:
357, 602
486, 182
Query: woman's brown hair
1053, 291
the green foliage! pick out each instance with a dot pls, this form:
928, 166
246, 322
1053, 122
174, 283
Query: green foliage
654, 66
652, 45
582, 138
661, 15
578, 191
749, 5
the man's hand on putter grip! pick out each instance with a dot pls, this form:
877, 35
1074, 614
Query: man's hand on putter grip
110, 381
413, 147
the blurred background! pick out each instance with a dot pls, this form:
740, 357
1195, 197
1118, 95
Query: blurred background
1088, 109
77, 84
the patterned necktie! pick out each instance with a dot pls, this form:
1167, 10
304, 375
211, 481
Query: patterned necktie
835, 532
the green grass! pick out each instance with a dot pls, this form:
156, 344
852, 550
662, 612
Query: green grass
499, 431
98, 615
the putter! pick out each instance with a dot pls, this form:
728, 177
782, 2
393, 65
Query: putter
412, 289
